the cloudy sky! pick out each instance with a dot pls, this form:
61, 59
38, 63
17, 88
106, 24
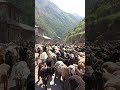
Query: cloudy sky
71, 6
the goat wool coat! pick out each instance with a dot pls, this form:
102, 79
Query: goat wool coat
74, 82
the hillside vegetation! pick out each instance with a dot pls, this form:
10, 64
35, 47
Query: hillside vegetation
78, 33
102, 22
53, 20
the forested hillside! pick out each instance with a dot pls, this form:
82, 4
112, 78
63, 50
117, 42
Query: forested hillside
102, 22
53, 20
78, 33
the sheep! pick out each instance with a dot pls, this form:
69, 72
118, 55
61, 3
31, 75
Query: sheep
23, 69
106, 64
77, 58
73, 82
56, 48
4, 68
109, 88
44, 74
111, 67
20, 72
56, 67
50, 64
76, 70
89, 70
50, 54
72, 55
107, 75
89, 78
81, 59
65, 73
116, 73
113, 82
4, 78
43, 56
58, 63
114, 68
59, 66
39, 46
81, 66
13, 50
72, 69
81, 54
40, 65
118, 63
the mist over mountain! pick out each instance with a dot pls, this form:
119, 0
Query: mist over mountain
53, 20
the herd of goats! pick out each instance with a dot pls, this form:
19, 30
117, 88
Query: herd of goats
90, 67
17, 66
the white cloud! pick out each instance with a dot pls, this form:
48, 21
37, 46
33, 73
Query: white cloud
71, 6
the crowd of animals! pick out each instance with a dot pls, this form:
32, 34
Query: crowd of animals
16, 66
67, 63
94, 67
103, 66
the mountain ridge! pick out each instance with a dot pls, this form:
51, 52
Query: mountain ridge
53, 20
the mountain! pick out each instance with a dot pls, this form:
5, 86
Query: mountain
53, 20
102, 22
78, 33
